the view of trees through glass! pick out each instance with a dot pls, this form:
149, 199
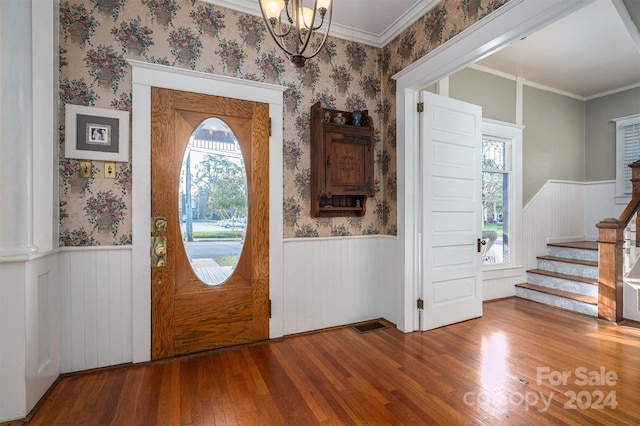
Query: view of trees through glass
213, 202
495, 200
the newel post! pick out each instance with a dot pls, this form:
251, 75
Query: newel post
610, 242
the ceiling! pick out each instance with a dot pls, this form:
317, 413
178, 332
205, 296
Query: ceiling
591, 52
588, 53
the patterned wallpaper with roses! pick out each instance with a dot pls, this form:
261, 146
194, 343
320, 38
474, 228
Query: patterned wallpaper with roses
97, 36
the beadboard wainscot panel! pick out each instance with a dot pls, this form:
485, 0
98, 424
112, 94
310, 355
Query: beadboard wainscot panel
95, 307
600, 203
555, 213
333, 281
500, 283
387, 263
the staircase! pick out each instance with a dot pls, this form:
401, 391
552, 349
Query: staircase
567, 277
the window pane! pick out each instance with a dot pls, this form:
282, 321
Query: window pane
493, 154
631, 140
495, 211
213, 203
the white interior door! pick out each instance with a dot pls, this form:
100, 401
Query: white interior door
451, 221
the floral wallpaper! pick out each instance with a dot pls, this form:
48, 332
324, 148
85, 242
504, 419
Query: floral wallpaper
97, 36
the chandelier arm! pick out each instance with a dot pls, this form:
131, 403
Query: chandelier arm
278, 38
286, 9
309, 31
326, 34
319, 26
281, 33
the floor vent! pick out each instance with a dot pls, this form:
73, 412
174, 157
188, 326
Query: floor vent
369, 326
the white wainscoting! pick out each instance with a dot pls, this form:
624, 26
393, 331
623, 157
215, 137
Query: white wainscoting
563, 211
555, 213
95, 307
599, 203
327, 282
499, 283
336, 281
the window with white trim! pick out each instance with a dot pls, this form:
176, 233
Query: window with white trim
501, 194
627, 151
496, 167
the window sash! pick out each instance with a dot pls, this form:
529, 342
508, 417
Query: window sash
627, 151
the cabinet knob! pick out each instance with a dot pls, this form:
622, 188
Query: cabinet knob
328, 161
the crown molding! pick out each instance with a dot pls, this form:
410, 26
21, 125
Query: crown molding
403, 22
345, 32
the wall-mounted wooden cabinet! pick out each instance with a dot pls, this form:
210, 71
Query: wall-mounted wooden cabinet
341, 163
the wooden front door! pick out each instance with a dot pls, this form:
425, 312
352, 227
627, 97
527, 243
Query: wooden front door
187, 314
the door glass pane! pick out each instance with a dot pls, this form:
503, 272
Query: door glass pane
213, 201
495, 201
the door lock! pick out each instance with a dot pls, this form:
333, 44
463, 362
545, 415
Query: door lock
158, 252
158, 224
481, 243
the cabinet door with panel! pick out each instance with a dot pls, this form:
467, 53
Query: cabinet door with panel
348, 171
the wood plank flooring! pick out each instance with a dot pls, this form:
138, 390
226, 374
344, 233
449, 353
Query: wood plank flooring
502, 369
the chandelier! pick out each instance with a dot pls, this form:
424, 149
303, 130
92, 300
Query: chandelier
300, 24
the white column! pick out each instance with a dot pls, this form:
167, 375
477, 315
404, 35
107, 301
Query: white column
16, 129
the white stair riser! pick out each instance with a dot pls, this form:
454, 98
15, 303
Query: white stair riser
560, 302
573, 253
562, 284
568, 268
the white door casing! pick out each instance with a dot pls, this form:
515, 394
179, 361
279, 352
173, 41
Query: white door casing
451, 205
508, 24
147, 75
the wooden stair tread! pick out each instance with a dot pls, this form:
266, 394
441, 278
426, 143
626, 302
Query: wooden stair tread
591, 300
583, 245
564, 276
567, 260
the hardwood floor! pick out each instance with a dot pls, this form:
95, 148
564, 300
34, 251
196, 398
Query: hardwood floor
502, 369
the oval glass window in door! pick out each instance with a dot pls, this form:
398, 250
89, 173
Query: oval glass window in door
213, 201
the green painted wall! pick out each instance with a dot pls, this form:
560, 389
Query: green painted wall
600, 132
554, 142
496, 95
554, 136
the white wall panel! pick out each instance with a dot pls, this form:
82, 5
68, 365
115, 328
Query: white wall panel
335, 281
564, 211
388, 259
500, 283
13, 337
556, 213
29, 332
95, 304
42, 326
599, 203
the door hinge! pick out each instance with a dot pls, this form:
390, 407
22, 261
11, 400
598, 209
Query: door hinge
269, 126
269, 308
420, 106
420, 304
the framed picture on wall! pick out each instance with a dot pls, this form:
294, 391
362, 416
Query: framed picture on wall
96, 133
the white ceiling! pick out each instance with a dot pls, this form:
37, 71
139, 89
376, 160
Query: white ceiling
588, 53
372, 22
